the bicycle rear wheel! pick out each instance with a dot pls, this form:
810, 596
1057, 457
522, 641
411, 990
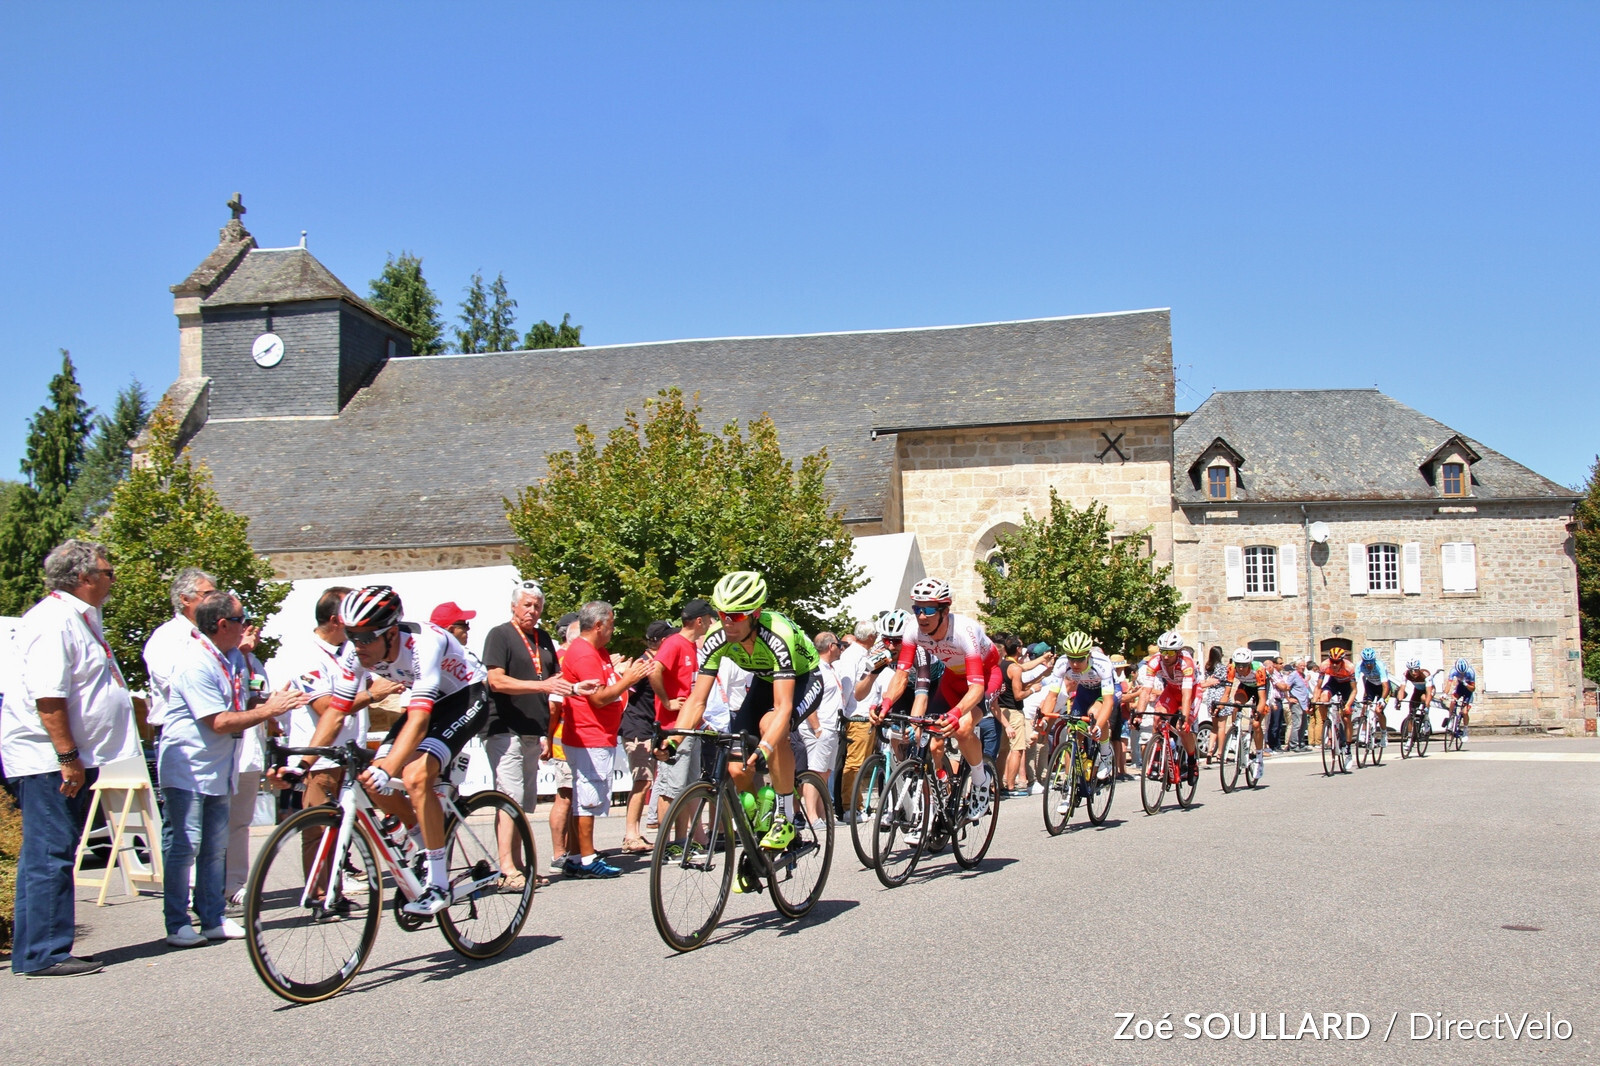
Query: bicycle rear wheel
1099, 800
1060, 787
302, 949
489, 904
797, 874
1247, 758
972, 835
904, 819
1380, 738
1184, 777
1424, 734
864, 801
1153, 781
691, 868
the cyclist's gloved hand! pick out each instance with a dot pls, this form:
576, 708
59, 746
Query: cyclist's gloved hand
379, 780
291, 776
952, 721
670, 749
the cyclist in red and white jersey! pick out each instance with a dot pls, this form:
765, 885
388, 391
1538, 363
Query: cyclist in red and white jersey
971, 674
1171, 670
448, 705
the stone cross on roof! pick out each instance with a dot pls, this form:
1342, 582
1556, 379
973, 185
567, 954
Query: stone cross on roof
236, 205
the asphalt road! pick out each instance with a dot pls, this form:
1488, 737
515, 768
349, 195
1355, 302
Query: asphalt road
1384, 893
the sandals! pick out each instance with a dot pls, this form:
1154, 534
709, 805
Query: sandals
637, 846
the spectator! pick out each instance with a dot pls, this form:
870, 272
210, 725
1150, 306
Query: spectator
1013, 692
562, 826
1119, 726
1037, 665
172, 638
638, 741
1291, 684
524, 678
861, 662
1318, 713
1273, 733
1213, 685
251, 763
589, 727
196, 764
452, 617
820, 729
69, 715
679, 656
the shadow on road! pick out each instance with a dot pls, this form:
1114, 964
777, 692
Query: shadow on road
437, 966
823, 910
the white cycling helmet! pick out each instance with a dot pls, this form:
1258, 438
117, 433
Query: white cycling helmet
1413, 664
894, 624
1169, 641
931, 590
1243, 656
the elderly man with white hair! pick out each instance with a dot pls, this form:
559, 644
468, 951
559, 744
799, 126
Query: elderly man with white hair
524, 678
172, 638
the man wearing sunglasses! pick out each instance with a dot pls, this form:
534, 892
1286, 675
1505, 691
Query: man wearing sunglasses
1167, 679
971, 675
786, 687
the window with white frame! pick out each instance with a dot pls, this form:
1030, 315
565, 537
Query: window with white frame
1383, 567
1260, 569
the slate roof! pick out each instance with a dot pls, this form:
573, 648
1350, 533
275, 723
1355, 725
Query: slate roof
1303, 445
279, 275
233, 241
424, 454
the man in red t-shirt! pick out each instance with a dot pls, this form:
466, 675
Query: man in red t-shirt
679, 656
589, 727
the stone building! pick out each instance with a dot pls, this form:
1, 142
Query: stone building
351, 456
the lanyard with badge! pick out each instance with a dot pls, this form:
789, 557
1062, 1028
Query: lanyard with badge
111, 660
538, 666
235, 684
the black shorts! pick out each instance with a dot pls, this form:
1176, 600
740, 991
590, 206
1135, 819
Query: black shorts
758, 701
1338, 687
1371, 690
455, 720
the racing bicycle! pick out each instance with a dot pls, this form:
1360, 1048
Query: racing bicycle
1416, 731
1369, 739
1166, 765
1238, 754
925, 806
1074, 764
314, 898
867, 794
1335, 745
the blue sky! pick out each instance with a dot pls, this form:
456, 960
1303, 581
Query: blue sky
1399, 195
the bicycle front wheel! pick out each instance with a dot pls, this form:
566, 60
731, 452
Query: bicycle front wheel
800, 870
304, 947
691, 869
489, 902
866, 797
1330, 749
1099, 800
900, 830
1408, 736
1232, 759
1060, 788
1153, 781
974, 830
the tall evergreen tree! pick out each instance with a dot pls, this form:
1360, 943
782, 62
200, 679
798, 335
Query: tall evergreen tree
473, 335
1586, 547
543, 335
402, 293
501, 335
110, 452
41, 515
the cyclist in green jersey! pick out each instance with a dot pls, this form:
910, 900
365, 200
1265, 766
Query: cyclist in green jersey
787, 687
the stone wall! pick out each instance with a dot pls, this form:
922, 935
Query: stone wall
1526, 577
291, 566
957, 488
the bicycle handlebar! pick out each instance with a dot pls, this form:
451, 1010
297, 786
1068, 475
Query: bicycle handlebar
348, 754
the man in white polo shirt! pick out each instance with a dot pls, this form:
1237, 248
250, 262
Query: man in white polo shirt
171, 638
207, 710
67, 714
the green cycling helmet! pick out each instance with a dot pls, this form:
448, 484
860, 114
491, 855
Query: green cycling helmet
742, 590
1076, 645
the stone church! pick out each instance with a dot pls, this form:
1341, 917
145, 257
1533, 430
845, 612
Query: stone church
1293, 520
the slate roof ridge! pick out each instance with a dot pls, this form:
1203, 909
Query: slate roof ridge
803, 336
251, 282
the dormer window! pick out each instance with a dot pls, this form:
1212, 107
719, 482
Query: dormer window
1449, 468
1452, 479
1219, 482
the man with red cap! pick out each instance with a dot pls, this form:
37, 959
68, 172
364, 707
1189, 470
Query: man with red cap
449, 616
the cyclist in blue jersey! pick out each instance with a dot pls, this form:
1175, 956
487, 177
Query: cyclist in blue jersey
1464, 681
1373, 677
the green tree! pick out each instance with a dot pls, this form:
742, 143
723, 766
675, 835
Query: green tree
1066, 573
110, 453
664, 507
1587, 549
403, 294
165, 516
501, 332
473, 334
41, 514
543, 335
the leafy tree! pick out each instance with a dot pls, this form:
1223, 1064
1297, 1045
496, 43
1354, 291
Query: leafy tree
165, 516
473, 336
110, 452
403, 294
41, 514
543, 335
501, 335
1065, 573
1587, 549
664, 508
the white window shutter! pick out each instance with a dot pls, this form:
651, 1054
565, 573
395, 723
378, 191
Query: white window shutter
1289, 570
1411, 569
1233, 565
1467, 560
1358, 569
1448, 568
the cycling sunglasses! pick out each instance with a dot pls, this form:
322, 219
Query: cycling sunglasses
361, 640
735, 616
926, 610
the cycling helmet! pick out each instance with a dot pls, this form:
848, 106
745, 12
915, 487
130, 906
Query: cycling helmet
931, 590
1462, 665
1369, 655
372, 608
1336, 654
742, 590
1243, 656
1413, 664
1076, 645
894, 624
1169, 641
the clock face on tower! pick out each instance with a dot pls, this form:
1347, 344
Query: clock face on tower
267, 350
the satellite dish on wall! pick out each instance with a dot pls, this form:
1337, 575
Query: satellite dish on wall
1318, 532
